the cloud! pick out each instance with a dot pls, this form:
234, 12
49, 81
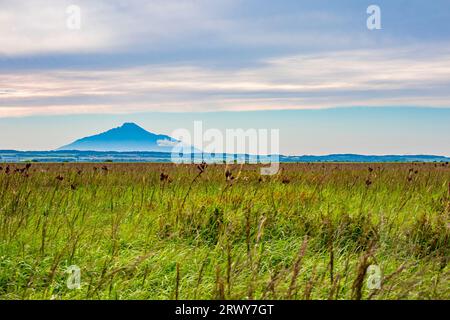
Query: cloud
347, 78
40, 26
36, 27
167, 143
210, 55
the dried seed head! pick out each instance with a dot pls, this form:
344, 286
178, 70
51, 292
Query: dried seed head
228, 175
202, 166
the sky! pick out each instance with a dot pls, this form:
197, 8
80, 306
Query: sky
311, 69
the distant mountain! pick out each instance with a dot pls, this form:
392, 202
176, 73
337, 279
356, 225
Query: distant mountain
126, 138
131, 143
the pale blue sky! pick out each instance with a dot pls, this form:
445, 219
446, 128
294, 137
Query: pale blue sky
163, 64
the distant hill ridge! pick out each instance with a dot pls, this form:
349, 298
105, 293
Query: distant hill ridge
152, 156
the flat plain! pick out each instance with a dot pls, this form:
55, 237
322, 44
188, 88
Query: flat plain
165, 231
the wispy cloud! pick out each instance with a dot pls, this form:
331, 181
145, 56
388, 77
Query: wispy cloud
347, 78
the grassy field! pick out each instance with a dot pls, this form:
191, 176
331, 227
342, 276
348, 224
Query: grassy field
161, 231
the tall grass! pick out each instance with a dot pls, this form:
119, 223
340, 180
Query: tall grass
163, 231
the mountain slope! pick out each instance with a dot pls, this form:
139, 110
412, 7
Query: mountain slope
128, 137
